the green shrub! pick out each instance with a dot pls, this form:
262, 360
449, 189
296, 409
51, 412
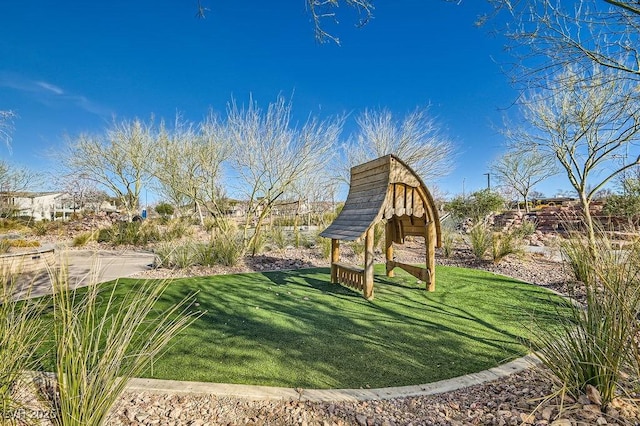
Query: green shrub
480, 239
164, 209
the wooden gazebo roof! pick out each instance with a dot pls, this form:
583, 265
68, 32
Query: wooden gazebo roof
383, 189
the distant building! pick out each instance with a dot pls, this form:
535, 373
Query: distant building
35, 205
47, 205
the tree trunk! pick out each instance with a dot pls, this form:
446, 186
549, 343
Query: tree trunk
588, 220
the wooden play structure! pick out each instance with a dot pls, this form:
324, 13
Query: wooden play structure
385, 189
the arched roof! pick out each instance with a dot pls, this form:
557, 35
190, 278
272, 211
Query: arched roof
382, 189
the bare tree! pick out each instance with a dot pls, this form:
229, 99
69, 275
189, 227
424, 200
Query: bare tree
585, 122
522, 168
120, 160
549, 35
325, 10
188, 166
271, 155
416, 139
6, 126
13, 180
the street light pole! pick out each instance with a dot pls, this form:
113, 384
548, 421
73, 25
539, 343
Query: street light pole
488, 181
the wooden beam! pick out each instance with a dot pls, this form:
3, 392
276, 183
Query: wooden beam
335, 258
420, 273
388, 243
368, 265
431, 240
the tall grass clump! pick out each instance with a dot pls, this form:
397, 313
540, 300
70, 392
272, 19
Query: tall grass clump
449, 239
21, 333
5, 245
102, 341
505, 243
83, 239
325, 246
278, 237
480, 239
226, 247
597, 345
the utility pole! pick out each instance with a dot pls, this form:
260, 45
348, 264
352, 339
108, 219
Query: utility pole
488, 181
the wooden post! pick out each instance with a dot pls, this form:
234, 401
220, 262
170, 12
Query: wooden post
335, 258
430, 244
388, 242
368, 265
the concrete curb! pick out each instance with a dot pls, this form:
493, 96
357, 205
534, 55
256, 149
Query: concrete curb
326, 395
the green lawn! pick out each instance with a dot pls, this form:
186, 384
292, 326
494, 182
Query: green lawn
296, 329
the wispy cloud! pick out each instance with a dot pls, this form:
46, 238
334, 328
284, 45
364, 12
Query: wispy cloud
50, 87
50, 94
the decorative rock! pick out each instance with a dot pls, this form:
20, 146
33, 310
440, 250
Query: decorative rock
594, 395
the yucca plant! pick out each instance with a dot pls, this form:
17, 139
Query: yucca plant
103, 340
596, 345
21, 332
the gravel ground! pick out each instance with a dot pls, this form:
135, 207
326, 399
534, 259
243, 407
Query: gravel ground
522, 398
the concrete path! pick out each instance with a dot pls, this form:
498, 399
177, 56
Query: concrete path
86, 266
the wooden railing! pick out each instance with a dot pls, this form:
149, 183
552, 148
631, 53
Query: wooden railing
351, 276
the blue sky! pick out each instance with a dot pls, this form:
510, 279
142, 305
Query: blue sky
70, 67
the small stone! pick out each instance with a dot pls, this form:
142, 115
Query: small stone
601, 421
594, 395
547, 412
527, 418
362, 420
561, 422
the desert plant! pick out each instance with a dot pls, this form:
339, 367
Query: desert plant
5, 245
164, 209
83, 238
40, 228
102, 341
278, 237
449, 238
325, 246
21, 333
579, 260
527, 228
480, 239
24, 243
226, 248
176, 229
504, 244
596, 346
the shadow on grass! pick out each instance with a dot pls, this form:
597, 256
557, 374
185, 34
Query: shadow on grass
296, 329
